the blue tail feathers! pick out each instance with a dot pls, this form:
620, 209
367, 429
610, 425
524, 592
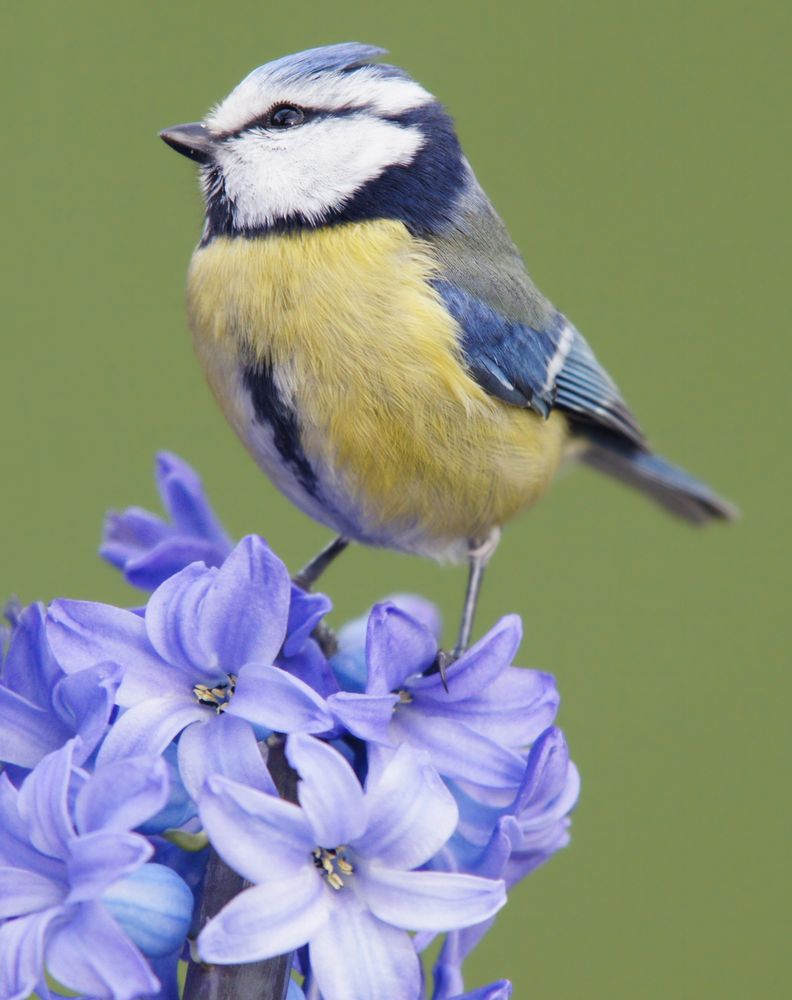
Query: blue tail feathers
671, 487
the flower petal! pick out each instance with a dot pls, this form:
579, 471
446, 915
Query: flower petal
513, 710
411, 812
260, 836
173, 616
22, 948
29, 667
83, 634
397, 646
99, 859
27, 732
85, 702
43, 803
23, 891
88, 952
367, 716
244, 616
329, 791
184, 498
477, 668
459, 752
430, 901
223, 745
306, 610
121, 795
150, 726
357, 957
267, 696
267, 920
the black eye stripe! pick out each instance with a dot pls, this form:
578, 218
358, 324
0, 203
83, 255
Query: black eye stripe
309, 115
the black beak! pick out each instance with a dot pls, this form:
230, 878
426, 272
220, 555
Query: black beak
193, 141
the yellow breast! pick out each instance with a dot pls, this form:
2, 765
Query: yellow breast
367, 356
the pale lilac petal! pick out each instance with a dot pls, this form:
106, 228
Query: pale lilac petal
184, 498
501, 990
513, 710
244, 616
27, 732
460, 753
222, 745
97, 860
427, 900
154, 566
22, 948
267, 920
91, 954
100, 803
397, 646
260, 836
23, 891
154, 907
545, 772
16, 851
83, 634
173, 616
267, 696
412, 813
29, 667
329, 791
85, 702
356, 956
43, 803
477, 668
150, 726
367, 716
306, 610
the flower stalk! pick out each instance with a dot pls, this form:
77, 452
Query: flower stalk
267, 980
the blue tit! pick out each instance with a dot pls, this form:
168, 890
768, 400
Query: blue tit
370, 331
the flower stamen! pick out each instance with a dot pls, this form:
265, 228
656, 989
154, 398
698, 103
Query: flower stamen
333, 863
217, 697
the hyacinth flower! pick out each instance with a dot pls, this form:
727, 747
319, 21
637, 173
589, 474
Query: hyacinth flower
78, 896
507, 842
338, 872
41, 707
149, 549
198, 664
474, 725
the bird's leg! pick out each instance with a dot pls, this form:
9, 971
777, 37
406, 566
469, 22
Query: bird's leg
479, 554
311, 572
308, 576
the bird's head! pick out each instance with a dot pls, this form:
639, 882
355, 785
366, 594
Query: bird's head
321, 137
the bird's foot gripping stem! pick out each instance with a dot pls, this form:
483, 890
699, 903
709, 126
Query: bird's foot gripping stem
479, 554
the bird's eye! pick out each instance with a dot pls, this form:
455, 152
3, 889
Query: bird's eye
286, 117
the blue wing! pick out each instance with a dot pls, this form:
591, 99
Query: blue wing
538, 368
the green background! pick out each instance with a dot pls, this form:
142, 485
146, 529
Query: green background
639, 153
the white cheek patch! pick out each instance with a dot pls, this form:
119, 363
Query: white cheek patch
310, 170
262, 90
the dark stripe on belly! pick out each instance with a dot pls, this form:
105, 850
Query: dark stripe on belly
272, 411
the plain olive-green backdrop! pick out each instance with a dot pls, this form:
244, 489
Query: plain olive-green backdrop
639, 153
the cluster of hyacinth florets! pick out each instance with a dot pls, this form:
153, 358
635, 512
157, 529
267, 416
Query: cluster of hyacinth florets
138, 744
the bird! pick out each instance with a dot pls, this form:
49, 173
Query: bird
370, 330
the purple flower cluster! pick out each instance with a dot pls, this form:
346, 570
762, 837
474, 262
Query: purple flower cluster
130, 739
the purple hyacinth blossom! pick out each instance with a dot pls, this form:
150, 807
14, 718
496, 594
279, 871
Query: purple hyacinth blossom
338, 871
41, 707
198, 663
473, 730
66, 852
148, 548
509, 842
